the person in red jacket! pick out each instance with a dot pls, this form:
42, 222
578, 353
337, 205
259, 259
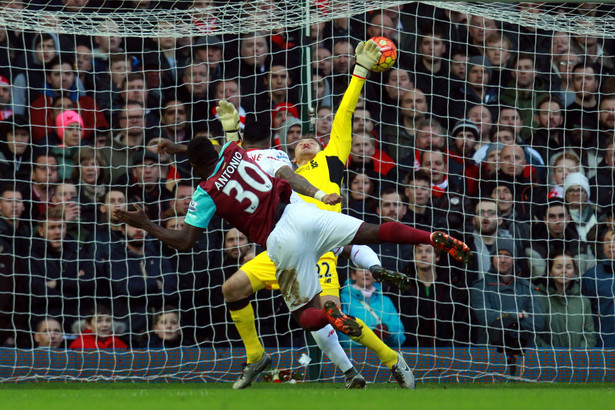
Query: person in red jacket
98, 333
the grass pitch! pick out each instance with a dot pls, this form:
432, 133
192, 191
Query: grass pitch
326, 396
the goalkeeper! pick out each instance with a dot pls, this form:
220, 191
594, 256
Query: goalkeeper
325, 170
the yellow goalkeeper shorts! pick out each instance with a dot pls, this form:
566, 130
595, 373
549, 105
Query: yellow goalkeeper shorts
261, 272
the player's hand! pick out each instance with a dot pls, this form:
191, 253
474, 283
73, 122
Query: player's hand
137, 218
229, 117
367, 54
332, 199
169, 147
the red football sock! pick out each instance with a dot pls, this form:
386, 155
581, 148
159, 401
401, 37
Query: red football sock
313, 319
396, 232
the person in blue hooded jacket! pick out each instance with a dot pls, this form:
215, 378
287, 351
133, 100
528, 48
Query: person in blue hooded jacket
362, 297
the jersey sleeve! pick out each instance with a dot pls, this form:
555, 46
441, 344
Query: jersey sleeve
270, 160
340, 142
202, 208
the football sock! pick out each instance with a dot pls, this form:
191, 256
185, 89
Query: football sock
369, 339
395, 232
312, 318
364, 257
246, 326
326, 338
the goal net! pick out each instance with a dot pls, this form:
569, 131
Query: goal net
495, 125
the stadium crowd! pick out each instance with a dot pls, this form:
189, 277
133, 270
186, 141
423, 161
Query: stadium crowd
499, 134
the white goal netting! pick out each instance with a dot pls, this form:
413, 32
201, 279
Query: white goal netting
495, 125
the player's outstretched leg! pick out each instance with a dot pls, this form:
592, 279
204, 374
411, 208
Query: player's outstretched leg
341, 321
396, 232
452, 246
250, 371
402, 373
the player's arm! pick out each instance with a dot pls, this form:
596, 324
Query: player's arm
302, 186
182, 240
366, 55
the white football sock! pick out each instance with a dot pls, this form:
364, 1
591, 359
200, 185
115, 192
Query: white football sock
326, 338
364, 257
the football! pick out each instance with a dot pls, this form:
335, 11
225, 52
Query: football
389, 54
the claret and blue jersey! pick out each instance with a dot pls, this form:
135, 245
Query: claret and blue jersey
241, 193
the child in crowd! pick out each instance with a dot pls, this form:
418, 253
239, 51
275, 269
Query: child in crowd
98, 333
166, 330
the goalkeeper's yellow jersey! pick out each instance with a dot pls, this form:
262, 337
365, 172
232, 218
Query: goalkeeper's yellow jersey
326, 170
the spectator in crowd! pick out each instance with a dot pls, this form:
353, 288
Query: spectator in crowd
65, 197
48, 333
98, 332
324, 124
565, 63
598, 285
322, 61
62, 274
109, 84
142, 279
434, 306
548, 138
343, 61
525, 90
362, 201
209, 49
475, 90
398, 139
362, 297
555, 234
366, 158
69, 130
512, 224
289, 136
105, 47
14, 229
194, 90
44, 176
459, 63
564, 164
6, 110
448, 199
43, 48
504, 305
582, 212
499, 51
432, 75
148, 188
463, 171
482, 238
567, 314
397, 82
584, 109
420, 213
167, 332
479, 29
15, 149
279, 115
135, 88
174, 121
254, 57
85, 67
429, 135
60, 78
321, 91
482, 118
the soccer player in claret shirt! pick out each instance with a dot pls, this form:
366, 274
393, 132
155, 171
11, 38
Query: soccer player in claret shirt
295, 233
324, 169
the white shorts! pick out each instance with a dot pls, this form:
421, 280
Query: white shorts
302, 235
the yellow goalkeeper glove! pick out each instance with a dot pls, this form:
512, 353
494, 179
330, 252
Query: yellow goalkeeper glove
229, 117
367, 54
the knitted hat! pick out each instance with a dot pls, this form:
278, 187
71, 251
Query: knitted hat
576, 178
66, 118
504, 244
284, 106
466, 125
482, 61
